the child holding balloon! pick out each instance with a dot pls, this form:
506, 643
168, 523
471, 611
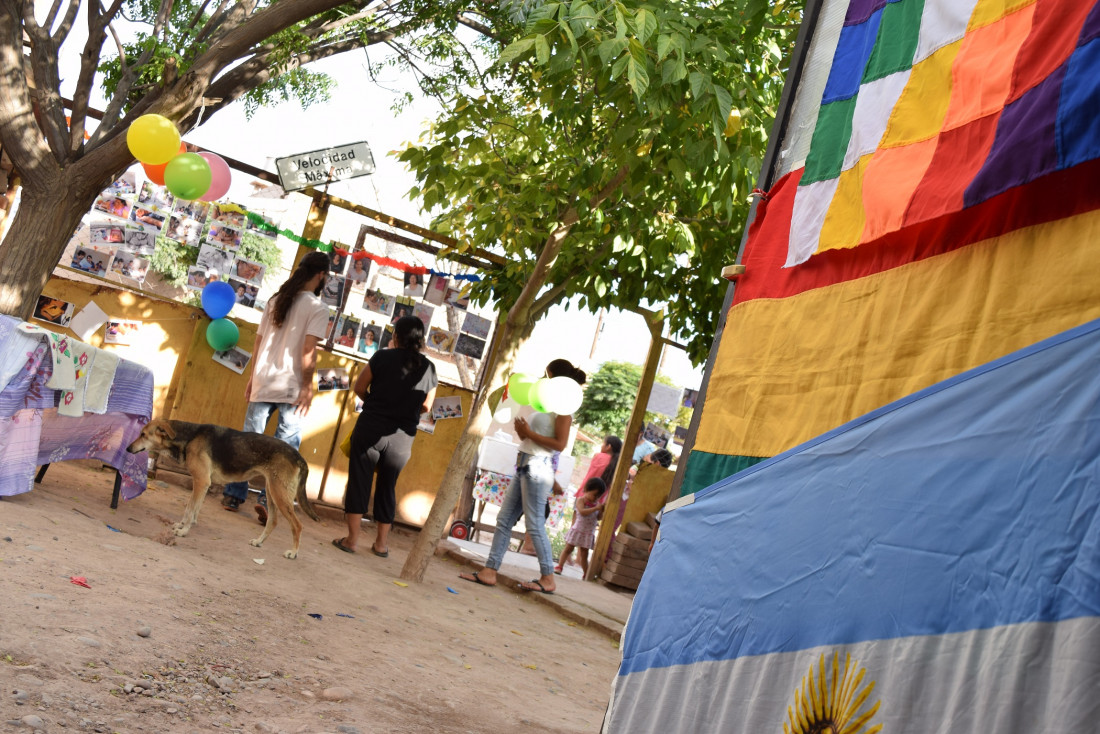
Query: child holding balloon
554, 400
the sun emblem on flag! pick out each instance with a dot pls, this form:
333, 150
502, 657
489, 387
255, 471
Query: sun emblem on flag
833, 703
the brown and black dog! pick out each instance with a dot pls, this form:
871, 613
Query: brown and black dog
219, 454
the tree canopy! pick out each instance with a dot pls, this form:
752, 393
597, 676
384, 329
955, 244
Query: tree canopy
632, 132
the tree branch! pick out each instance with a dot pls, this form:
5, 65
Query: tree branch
89, 61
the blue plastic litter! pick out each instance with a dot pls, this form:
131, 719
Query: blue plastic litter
113, 530
316, 616
340, 614
451, 590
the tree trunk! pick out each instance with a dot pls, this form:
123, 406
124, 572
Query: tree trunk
41, 228
511, 338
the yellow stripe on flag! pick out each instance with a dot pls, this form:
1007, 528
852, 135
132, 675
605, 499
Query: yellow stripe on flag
790, 369
920, 111
990, 11
844, 220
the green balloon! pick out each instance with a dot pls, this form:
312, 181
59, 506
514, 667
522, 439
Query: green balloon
222, 334
188, 176
519, 388
540, 395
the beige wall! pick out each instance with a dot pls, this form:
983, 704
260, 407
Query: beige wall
190, 386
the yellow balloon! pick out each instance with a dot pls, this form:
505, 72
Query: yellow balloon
153, 139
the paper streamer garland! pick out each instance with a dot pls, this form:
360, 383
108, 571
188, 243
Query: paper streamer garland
260, 223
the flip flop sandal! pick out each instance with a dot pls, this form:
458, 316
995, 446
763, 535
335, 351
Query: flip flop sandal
476, 579
337, 542
380, 554
541, 589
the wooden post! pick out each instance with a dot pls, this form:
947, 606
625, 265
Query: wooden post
655, 322
315, 224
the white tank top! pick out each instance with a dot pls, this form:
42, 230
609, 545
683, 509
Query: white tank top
542, 424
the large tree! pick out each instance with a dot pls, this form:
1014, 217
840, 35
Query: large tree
192, 58
613, 165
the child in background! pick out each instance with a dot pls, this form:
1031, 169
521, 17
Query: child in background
582, 535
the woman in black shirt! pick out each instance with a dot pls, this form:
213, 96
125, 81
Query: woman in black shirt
401, 384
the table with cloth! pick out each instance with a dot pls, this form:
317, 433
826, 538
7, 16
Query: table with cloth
33, 431
496, 464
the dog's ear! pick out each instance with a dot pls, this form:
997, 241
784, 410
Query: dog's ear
164, 428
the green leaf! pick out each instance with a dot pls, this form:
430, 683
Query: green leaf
568, 33
672, 71
620, 22
515, 50
611, 48
664, 43
700, 85
542, 50
645, 23
725, 103
638, 77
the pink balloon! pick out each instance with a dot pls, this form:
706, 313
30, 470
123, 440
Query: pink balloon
219, 177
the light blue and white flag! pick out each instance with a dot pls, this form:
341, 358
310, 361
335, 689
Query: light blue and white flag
933, 566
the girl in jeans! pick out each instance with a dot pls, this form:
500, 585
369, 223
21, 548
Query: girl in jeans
545, 434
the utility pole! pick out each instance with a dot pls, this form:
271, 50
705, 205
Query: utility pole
596, 336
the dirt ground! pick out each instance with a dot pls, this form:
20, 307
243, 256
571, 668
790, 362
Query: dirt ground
196, 634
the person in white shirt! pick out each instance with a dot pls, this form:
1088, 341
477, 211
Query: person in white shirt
285, 356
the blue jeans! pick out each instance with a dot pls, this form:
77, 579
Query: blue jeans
526, 496
288, 430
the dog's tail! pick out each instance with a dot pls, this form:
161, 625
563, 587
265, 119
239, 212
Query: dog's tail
303, 500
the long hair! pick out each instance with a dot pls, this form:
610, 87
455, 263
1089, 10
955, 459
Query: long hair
565, 368
313, 263
408, 332
616, 445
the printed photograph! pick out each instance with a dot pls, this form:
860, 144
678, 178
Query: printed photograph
424, 312
245, 292
679, 435
347, 330
121, 331
124, 185
427, 423
224, 237
198, 277
249, 271
91, 261
387, 336
331, 323
690, 396
369, 340
437, 290
235, 359
476, 325
106, 233
656, 435
54, 311
114, 205
267, 232
459, 298
140, 241
185, 231
228, 214
358, 271
196, 210
148, 218
470, 346
400, 310
333, 292
378, 302
337, 262
333, 378
154, 197
130, 265
440, 340
414, 285
448, 407
212, 258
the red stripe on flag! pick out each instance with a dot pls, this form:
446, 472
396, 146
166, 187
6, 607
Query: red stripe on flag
1055, 196
1055, 29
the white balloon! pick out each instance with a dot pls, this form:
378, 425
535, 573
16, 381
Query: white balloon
567, 395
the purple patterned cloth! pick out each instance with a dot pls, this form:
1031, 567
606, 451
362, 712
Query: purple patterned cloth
32, 433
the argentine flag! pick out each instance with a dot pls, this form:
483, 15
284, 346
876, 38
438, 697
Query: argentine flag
933, 566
